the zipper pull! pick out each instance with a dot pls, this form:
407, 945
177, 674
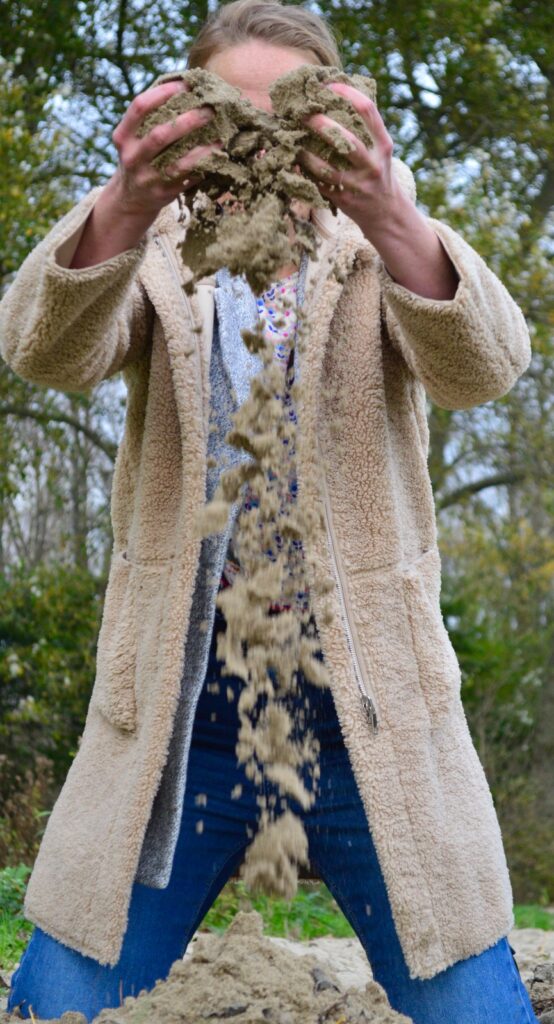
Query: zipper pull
369, 708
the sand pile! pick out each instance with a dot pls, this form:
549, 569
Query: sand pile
243, 977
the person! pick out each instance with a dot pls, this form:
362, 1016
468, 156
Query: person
148, 826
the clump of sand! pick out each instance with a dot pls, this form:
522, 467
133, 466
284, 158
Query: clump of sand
267, 651
251, 188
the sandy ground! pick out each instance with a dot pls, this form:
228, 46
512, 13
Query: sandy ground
349, 962
251, 978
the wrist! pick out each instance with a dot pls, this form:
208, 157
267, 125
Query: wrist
115, 207
396, 218
111, 228
411, 250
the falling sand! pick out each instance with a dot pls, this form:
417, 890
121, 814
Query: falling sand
247, 216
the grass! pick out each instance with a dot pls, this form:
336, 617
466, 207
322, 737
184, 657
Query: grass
532, 916
312, 913
14, 936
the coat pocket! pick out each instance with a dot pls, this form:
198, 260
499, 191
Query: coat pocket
437, 663
114, 688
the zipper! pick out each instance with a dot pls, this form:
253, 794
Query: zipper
367, 695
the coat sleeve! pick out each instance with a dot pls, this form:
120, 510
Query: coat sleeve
71, 328
466, 350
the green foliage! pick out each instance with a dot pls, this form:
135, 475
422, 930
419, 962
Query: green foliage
498, 603
13, 881
37, 185
530, 916
15, 931
312, 912
48, 626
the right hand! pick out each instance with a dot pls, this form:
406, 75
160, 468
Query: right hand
140, 188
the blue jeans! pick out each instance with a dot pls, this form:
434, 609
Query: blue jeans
52, 978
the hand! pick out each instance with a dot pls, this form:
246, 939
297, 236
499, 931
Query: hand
367, 191
140, 187
133, 197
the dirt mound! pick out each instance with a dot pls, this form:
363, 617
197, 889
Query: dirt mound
245, 977
284, 982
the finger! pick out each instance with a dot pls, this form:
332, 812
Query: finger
186, 165
367, 109
163, 135
177, 188
329, 180
144, 103
320, 169
326, 127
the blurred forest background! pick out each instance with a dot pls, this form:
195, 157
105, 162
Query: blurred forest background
466, 88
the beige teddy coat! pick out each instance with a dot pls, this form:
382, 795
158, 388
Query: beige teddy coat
379, 348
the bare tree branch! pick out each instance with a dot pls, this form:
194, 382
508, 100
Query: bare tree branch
475, 486
47, 417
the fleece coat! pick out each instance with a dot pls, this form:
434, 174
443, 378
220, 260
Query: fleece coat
374, 351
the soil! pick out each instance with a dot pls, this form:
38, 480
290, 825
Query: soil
283, 981
242, 976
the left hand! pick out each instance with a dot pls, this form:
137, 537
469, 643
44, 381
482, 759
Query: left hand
370, 194
368, 191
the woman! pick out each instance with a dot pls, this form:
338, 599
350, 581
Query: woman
147, 829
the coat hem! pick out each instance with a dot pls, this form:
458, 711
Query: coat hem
77, 946
425, 974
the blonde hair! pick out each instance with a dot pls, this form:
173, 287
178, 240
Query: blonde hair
269, 20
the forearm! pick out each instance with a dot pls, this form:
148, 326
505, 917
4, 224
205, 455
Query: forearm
412, 252
110, 229
69, 328
465, 351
